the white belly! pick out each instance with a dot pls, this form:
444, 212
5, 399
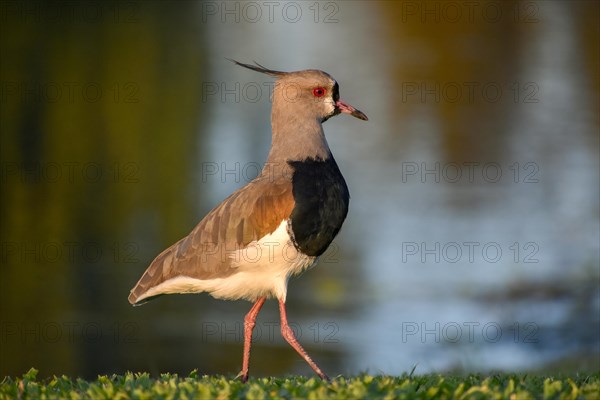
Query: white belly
263, 269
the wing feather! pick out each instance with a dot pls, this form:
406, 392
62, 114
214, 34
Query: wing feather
247, 215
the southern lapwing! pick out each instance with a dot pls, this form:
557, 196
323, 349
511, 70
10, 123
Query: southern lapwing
274, 227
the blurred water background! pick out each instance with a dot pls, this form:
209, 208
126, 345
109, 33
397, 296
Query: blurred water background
472, 242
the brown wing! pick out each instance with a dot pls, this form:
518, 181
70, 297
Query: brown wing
252, 212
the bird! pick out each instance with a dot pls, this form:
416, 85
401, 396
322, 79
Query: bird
278, 224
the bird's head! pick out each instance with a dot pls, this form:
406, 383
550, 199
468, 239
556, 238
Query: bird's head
309, 93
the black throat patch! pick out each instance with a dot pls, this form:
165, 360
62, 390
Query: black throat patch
322, 198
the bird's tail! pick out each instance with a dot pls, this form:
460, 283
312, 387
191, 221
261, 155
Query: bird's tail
152, 277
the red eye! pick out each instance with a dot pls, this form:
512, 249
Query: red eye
319, 91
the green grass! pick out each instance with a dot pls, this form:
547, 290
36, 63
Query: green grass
194, 386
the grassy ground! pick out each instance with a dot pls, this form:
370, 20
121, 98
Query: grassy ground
194, 386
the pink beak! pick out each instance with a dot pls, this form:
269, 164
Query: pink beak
346, 108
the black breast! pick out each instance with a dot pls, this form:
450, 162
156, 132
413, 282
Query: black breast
321, 198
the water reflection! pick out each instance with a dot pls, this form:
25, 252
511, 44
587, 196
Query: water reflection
94, 185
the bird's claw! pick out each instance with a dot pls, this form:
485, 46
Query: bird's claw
242, 376
324, 376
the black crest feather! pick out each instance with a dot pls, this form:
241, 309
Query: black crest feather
259, 68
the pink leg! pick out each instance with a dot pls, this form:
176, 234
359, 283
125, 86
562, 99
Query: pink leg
288, 335
249, 322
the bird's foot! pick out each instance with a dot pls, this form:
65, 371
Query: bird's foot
243, 376
324, 376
